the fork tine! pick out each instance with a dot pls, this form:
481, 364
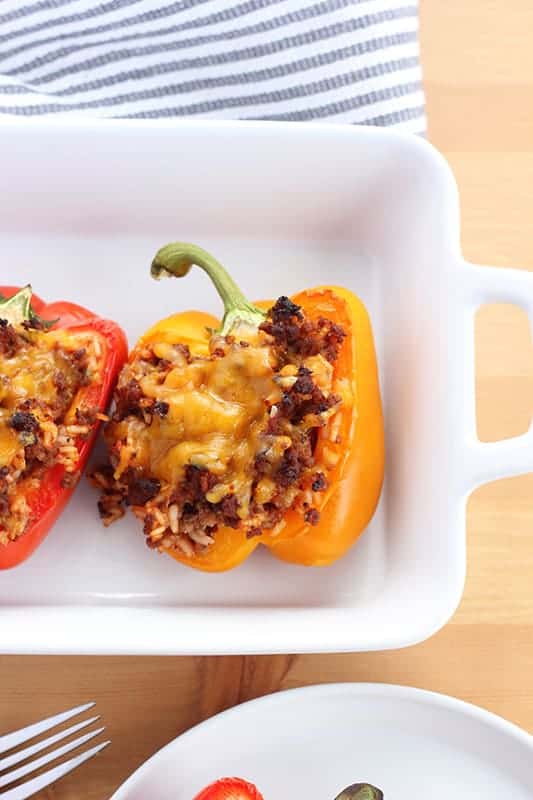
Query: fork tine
21, 772
21, 755
11, 740
42, 781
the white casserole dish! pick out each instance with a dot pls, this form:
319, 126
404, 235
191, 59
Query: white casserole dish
286, 206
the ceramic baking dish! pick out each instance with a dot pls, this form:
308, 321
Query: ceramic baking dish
84, 207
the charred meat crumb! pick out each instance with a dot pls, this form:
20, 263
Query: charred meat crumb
295, 459
103, 475
4, 488
141, 490
319, 482
24, 422
34, 323
262, 464
38, 456
128, 400
10, 340
275, 513
4, 503
304, 383
59, 380
228, 508
160, 408
303, 398
289, 469
296, 335
110, 507
197, 483
81, 361
64, 398
86, 416
312, 516
148, 524
284, 309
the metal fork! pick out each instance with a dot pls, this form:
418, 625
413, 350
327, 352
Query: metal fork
13, 740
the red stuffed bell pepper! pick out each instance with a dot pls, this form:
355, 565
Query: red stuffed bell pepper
58, 365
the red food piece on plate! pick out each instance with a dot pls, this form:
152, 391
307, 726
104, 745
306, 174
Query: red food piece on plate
230, 789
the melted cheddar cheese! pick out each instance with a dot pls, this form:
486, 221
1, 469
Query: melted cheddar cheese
218, 409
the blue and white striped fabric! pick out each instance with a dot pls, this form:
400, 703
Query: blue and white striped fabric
352, 61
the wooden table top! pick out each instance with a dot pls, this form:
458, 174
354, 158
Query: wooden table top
478, 65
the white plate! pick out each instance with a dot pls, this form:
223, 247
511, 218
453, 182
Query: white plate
284, 207
313, 742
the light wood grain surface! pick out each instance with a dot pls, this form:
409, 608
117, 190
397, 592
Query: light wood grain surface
478, 65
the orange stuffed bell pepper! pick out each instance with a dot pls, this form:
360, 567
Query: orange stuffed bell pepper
263, 430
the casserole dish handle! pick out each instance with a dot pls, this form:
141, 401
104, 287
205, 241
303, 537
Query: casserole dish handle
491, 461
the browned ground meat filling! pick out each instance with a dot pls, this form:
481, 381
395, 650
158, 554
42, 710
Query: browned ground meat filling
41, 373
222, 438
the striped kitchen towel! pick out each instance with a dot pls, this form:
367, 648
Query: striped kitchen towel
352, 61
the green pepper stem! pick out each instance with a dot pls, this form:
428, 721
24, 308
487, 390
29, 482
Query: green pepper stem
17, 309
177, 258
